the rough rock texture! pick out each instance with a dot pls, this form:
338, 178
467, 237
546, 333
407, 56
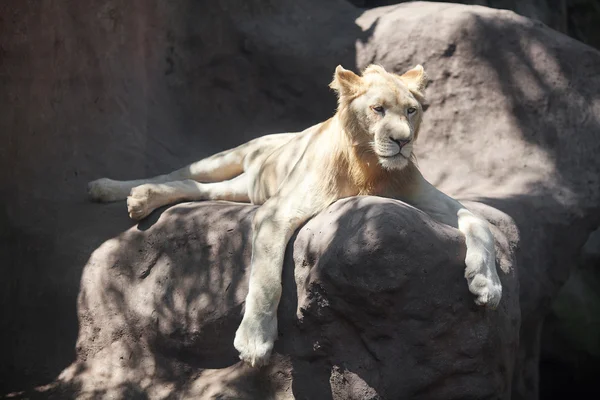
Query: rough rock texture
375, 305
524, 130
129, 89
577, 18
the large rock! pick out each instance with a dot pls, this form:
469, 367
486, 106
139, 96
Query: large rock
375, 305
503, 100
129, 89
577, 18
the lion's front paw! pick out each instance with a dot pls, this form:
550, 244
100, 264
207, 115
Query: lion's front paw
254, 339
105, 190
488, 291
139, 202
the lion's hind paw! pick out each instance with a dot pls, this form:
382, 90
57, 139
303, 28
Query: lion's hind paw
138, 202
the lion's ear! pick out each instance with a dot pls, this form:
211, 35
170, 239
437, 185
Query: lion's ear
345, 82
415, 79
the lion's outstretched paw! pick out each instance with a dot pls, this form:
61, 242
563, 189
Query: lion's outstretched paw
254, 339
488, 291
139, 202
105, 190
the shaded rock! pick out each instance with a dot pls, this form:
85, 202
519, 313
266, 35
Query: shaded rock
591, 249
570, 352
375, 305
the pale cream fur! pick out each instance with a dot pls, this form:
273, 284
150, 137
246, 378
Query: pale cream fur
364, 149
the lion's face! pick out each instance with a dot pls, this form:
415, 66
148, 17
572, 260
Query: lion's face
384, 112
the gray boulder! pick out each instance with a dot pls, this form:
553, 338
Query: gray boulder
375, 305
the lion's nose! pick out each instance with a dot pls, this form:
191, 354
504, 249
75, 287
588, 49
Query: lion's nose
400, 143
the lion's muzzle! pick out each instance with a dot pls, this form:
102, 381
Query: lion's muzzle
400, 143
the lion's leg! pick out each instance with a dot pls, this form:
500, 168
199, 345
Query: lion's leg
148, 197
219, 167
273, 225
257, 332
481, 274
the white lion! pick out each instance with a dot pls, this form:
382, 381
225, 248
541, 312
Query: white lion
364, 149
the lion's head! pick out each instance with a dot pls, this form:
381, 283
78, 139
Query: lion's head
382, 111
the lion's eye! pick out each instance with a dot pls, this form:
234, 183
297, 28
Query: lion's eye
411, 110
377, 109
